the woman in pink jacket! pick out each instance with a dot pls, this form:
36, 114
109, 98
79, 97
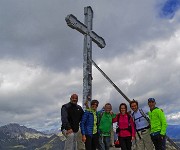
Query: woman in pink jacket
126, 129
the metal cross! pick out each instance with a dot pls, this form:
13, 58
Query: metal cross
89, 36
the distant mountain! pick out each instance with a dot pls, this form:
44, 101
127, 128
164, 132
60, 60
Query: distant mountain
16, 137
173, 131
56, 143
52, 131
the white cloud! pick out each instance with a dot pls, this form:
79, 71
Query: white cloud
173, 117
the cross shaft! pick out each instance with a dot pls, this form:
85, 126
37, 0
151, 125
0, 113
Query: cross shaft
89, 36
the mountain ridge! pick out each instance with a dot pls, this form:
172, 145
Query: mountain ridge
16, 137
173, 131
13, 136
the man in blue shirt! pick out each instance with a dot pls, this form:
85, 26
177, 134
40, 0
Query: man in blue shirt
143, 139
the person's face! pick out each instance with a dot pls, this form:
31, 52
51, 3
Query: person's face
107, 108
123, 109
74, 99
94, 106
134, 107
151, 104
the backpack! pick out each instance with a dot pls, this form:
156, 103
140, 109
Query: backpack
117, 144
129, 125
99, 117
143, 115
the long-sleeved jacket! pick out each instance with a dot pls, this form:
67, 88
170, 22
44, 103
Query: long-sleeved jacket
87, 123
157, 121
124, 124
105, 123
71, 115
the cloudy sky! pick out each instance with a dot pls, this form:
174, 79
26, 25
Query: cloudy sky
41, 58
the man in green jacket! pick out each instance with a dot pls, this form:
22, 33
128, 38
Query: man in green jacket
158, 125
105, 126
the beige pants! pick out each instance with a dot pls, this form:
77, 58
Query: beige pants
145, 143
80, 143
71, 141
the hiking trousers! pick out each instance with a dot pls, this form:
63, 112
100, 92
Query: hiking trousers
125, 142
157, 141
80, 143
91, 142
143, 140
104, 142
71, 141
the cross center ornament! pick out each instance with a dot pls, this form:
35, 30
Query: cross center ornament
89, 36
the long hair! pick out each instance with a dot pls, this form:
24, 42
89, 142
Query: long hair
122, 104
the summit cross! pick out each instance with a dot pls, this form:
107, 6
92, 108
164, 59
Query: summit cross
89, 36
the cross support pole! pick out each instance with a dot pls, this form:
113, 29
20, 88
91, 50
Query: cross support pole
89, 36
112, 83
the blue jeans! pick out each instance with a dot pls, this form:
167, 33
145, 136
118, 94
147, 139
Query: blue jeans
104, 142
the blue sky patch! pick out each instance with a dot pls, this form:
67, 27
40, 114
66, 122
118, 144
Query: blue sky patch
169, 8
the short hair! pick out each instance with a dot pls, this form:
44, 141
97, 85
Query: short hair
107, 104
94, 102
133, 101
74, 96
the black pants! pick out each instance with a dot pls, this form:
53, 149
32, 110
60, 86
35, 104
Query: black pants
91, 142
157, 141
125, 142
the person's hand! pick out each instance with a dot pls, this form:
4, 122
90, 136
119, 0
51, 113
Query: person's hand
84, 138
162, 137
133, 138
86, 104
129, 112
69, 131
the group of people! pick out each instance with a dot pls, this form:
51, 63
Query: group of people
146, 131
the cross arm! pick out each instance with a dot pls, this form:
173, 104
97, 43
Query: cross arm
97, 39
74, 23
